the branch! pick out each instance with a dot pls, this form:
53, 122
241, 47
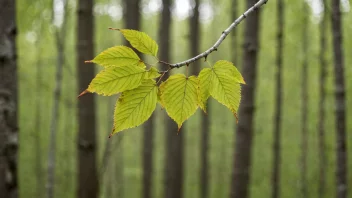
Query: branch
221, 39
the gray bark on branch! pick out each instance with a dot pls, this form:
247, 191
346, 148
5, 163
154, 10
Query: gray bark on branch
221, 39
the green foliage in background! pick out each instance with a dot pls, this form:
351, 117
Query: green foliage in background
180, 95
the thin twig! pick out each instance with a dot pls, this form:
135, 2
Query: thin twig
220, 40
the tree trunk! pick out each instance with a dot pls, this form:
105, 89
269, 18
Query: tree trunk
304, 99
37, 128
234, 13
195, 39
275, 178
8, 100
243, 143
321, 137
147, 154
60, 46
341, 152
173, 176
87, 171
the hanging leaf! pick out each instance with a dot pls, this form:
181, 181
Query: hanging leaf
118, 56
152, 73
179, 96
135, 106
141, 41
204, 87
113, 80
223, 66
225, 88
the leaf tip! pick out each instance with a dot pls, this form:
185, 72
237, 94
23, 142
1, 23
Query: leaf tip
83, 93
179, 129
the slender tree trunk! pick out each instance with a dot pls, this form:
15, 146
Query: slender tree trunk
321, 129
275, 178
195, 39
304, 98
60, 46
147, 153
87, 170
8, 100
173, 176
243, 143
341, 150
37, 128
109, 164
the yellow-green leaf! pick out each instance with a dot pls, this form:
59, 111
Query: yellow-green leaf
179, 96
141, 41
113, 80
225, 89
152, 73
204, 87
118, 56
135, 106
228, 68
161, 88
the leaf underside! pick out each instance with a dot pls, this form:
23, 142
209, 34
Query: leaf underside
135, 106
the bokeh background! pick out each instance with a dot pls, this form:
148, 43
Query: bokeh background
119, 165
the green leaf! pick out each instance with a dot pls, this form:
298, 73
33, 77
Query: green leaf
153, 72
118, 56
141, 41
179, 96
135, 106
204, 77
225, 88
113, 80
161, 88
227, 67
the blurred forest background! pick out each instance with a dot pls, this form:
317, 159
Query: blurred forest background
290, 149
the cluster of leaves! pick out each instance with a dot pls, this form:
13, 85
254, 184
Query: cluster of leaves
124, 72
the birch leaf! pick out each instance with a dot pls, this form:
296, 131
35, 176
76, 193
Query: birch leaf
135, 106
179, 96
153, 72
113, 80
204, 77
118, 56
227, 67
141, 41
225, 88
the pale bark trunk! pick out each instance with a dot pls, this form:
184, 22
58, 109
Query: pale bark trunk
60, 46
